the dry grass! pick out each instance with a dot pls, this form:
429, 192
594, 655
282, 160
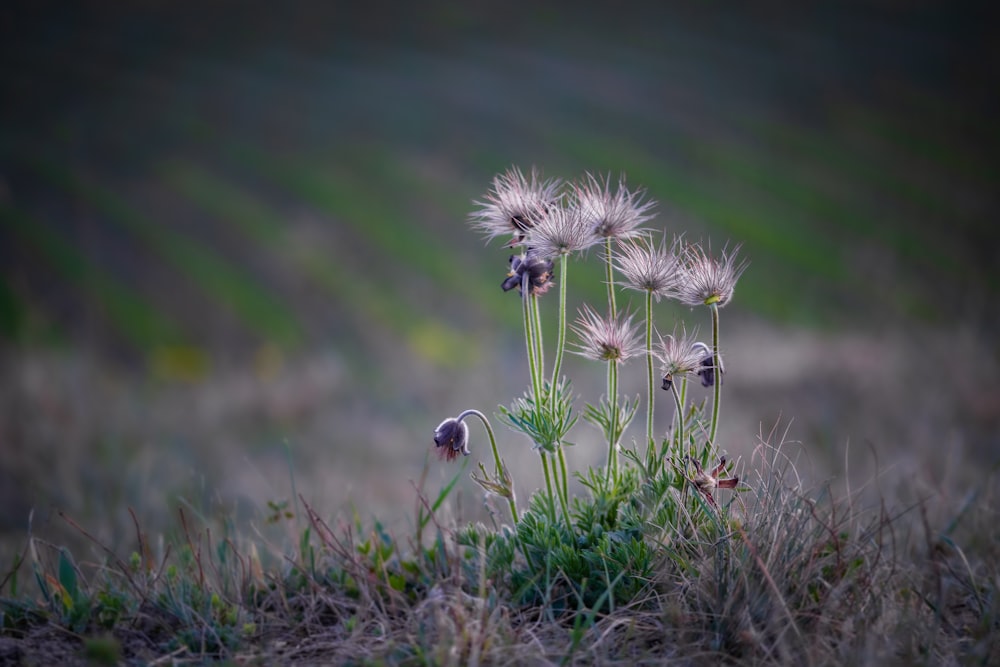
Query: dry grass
784, 574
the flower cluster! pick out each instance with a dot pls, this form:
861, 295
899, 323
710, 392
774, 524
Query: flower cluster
550, 221
539, 216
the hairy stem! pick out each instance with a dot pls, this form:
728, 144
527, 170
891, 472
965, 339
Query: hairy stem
716, 361
613, 420
539, 344
529, 340
683, 417
548, 484
679, 407
561, 341
565, 477
556, 369
612, 308
649, 371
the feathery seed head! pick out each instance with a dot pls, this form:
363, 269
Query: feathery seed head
561, 232
709, 280
678, 355
606, 339
612, 214
649, 268
515, 204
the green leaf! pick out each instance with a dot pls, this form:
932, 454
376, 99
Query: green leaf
397, 582
67, 578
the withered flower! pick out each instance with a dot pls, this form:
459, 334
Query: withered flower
451, 437
515, 204
528, 268
708, 482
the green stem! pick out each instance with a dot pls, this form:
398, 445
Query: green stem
561, 342
612, 308
561, 486
613, 420
529, 340
556, 369
683, 417
548, 483
679, 407
565, 476
539, 345
649, 370
717, 371
497, 461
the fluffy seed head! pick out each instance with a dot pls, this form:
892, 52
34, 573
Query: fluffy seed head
561, 232
709, 280
649, 268
606, 339
610, 214
515, 204
678, 355
451, 437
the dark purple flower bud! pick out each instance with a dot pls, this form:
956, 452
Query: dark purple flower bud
451, 437
707, 370
537, 272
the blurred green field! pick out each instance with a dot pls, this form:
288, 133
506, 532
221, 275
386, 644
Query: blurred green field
225, 230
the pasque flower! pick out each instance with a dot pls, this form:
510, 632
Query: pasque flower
649, 268
708, 280
617, 214
561, 232
451, 438
515, 204
706, 370
606, 338
679, 355
531, 269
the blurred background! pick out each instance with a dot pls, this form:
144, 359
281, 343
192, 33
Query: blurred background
233, 238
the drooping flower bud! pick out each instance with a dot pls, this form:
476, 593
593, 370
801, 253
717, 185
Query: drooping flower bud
451, 437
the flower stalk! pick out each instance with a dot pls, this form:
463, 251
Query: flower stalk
717, 370
609, 265
612, 471
649, 371
561, 340
502, 476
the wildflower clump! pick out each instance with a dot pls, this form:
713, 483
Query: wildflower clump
601, 543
